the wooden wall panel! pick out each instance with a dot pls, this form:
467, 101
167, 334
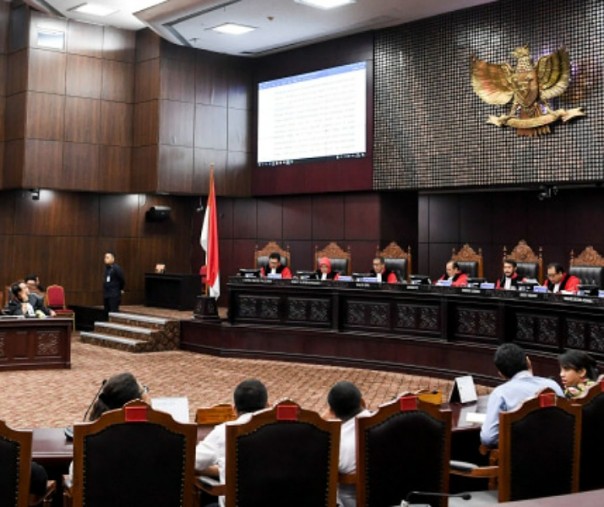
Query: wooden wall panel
211, 127
119, 215
177, 78
18, 30
240, 84
76, 263
176, 124
144, 169
42, 163
15, 116
202, 160
3, 73
83, 76
211, 79
82, 120
4, 16
270, 220
45, 116
16, 71
238, 177
117, 81
362, 217
119, 45
114, 168
297, 217
239, 127
175, 170
14, 156
245, 214
84, 39
147, 45
146, 80
116, 123
146, 123
302, 254
328, 219
46, 71
80, 167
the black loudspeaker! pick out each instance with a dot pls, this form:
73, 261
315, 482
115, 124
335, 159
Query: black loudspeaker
158, 213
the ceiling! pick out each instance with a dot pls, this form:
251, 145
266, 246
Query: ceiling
281, 24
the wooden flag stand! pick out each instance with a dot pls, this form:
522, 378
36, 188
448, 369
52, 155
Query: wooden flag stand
206, 309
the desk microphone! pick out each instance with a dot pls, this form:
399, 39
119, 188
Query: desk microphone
405, 502
69, 429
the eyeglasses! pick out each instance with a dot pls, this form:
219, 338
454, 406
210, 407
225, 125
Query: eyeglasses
145, 389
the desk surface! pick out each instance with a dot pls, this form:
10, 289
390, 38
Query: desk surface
585, 499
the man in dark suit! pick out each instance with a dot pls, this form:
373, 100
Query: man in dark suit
113, 284
24, 303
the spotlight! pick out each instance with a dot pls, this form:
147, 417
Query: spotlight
35, 194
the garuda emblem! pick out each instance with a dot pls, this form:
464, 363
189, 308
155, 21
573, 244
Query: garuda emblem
528, 87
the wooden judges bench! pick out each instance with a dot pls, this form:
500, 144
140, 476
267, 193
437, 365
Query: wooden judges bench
438, 331
27, 344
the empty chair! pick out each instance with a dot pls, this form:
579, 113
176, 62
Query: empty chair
55, 300
340, 259
469, 261
588, 266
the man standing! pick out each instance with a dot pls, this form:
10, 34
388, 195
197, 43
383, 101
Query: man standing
510, 278
515, 367
559, 280
113, 284
381, 273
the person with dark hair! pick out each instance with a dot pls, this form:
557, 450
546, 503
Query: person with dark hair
26, 304
558, 280
510, 278
33, 284
578, 372
324, 272
346, 403
381, 273
515, 367
116, 392
38, 484
454, 273
275, 267
249, 397
113, 284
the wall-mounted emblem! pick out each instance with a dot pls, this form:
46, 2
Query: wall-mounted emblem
528, 86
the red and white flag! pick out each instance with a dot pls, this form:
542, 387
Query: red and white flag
209, 242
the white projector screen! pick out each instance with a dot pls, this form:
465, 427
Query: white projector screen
313, 116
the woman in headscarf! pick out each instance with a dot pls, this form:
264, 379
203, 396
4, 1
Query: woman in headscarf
324, 272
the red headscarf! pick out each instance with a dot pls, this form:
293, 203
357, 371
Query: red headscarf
326, 261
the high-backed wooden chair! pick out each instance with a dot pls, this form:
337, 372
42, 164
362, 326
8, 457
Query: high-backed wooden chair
55, 300
133, 456
469, 261
588, 266
282, 456
529, 264
15, 458
396, 260
340, 259
261, 255
405, 446
592, 437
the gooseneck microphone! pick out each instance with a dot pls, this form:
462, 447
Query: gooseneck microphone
405, 502
96, 396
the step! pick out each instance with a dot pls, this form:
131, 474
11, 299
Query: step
115, 342
125, 331
135, 319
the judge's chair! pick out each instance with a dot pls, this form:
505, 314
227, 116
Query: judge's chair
55, 300
588, 266
405, 446
133, 456
539, 452
15, 461
396, 260
529, 265
469, 261
340, 259
592, 437
283, 456
261, 255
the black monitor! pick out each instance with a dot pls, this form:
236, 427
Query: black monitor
306, 275
588, 290
527, 286
475, 281
249, 273
419, 280
357, 276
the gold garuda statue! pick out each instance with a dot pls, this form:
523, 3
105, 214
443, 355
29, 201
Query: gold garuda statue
529, 87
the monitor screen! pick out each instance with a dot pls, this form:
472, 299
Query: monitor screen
319, 115
249, 273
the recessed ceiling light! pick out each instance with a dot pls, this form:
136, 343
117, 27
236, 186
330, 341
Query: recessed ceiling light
325, 4
94, 9
233, 28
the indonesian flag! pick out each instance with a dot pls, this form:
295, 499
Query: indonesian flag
209, 242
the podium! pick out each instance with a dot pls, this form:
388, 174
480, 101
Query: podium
172, 290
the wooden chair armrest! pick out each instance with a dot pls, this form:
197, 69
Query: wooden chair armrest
210, 485
467, 469
51, 488
347, 478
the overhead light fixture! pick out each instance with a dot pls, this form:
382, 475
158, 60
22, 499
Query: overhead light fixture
94, 9
233, 28
325, 4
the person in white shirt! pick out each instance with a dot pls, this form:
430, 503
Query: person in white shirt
210, 455
346, 403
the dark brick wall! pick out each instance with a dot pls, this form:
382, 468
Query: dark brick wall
430, 127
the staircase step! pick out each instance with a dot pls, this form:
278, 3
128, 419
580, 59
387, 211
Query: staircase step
115, 342
135, 319
125, 331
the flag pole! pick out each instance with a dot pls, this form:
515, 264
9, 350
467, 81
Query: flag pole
207, 286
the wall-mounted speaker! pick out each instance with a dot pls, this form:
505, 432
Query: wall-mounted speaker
158, 213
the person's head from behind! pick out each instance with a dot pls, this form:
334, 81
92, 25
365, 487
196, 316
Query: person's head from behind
345, 400
250, 396
510, 359
509, 267
576, 367
274, 260
116, 392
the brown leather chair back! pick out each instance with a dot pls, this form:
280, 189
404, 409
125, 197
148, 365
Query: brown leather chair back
15, 457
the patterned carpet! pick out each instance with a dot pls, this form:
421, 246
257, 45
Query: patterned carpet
53, 398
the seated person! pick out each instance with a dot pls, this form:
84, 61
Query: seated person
510, 279
24, 303
578, 372
381, 273
33, 283
454, 273
346, 403
275, 267
515, 367
250, 396
38, 483
324, 272
559, 280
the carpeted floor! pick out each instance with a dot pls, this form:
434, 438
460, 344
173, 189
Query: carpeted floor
51, 398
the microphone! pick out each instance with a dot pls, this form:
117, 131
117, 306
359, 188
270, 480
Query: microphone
405, 502
94, 400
